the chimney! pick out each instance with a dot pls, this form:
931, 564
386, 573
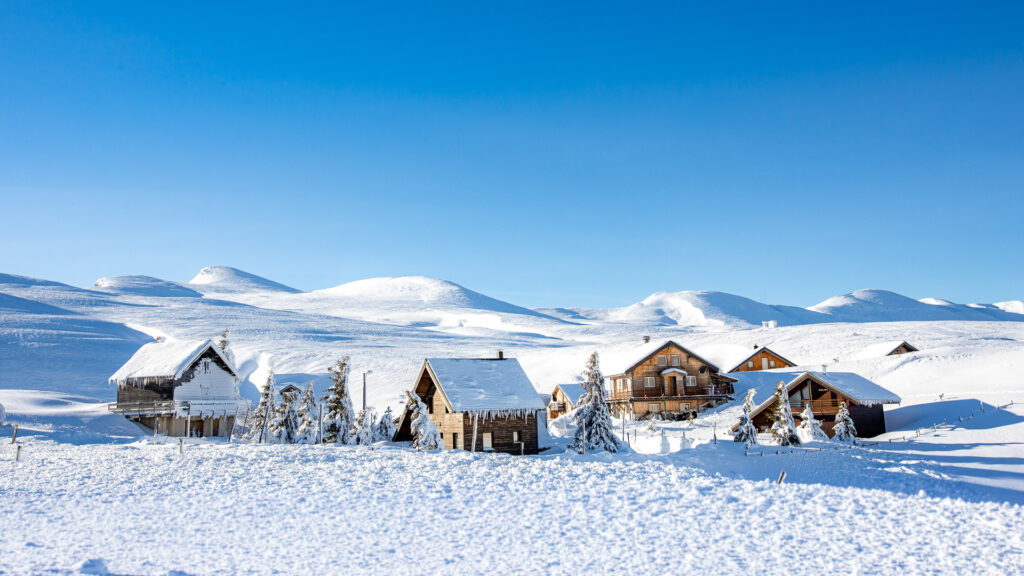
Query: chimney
159, 338
824, 368
501, 355
647, 339
755, 346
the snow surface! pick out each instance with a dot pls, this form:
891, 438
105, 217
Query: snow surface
880, 349
225, 279
474, 385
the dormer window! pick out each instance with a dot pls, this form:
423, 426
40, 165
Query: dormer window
662, 361
676, 360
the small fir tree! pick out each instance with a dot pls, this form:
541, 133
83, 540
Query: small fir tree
338, 414
264, 411
362, 429
746, 432
225, 347
308, 413
425, 435
810, 427
844, 430
385, 428
284, 427
594, 430
783, 427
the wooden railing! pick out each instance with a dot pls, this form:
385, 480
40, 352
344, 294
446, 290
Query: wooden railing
659, 392
148, 406
817, 406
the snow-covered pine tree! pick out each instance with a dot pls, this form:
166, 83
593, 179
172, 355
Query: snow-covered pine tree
225, 347
3, 415
362, 428
746, 432
309, 422
783, 428
844, 430
810, 427
264, 411
285, 424
594, 429
338, 413
425, 435
385, 428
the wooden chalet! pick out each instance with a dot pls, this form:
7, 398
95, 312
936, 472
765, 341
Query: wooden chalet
893, 348
823, 391
763, 358
179, 388
564, 398
670, 381
479, 404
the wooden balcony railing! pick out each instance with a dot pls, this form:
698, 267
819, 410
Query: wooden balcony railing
817, 406
659, 392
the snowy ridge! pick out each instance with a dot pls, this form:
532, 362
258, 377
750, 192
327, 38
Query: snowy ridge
145, 286
218, 279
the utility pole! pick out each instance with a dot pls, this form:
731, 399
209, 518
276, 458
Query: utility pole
364, 388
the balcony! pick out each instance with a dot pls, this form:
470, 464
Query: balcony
659, 392
827, 407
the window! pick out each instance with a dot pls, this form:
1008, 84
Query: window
653, 407
685, 405
750, 364
662, 361
771, 363
455, 440
649, 382
676, 360
515, 436
487, 441
691, 381
206, 366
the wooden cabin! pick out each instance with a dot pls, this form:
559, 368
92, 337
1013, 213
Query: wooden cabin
564, 398
823, 392
762, 358
670, 381
893, 348
478, 404
179, 388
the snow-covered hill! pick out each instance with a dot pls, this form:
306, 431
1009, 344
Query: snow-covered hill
225, 279
885, 306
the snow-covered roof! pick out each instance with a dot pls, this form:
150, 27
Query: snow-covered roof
638, 355
883, 349
165, 359
572, 391
861, 390
757, 351
484, 385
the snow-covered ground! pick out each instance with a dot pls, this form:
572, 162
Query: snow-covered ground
941, 492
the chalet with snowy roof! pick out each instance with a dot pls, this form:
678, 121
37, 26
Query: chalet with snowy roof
671, 381
892, 348
823, 391
481, 404
179, 388
763, 358
564, 398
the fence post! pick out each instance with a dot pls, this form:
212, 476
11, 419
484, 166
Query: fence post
17, 454
15, 436
782, 476
181, 445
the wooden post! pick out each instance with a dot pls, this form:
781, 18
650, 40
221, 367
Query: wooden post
14, 437
231, 431
181, 445
473, 443
782, 476
17, 454
320, 418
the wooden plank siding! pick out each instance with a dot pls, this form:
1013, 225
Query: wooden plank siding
763, 360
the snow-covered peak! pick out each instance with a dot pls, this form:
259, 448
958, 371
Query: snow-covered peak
874, 305
145, 286
709, 308
1012, 306
229, 280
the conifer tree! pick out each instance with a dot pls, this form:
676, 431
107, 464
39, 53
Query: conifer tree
746, 432
338, 413
3, 415
594, 430
264, 411
425, 435
308, 413
844, 430
362, 428
783, 427
385, 428
810, 427
225, 347
284, 426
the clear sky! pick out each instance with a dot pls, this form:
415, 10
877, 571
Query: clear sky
547, 153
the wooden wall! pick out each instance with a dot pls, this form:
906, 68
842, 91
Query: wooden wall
767, 355
665, 385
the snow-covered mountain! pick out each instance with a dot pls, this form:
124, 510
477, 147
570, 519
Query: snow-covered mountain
145, 286
225, 279
885, 306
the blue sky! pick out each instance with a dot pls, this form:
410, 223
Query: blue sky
550, 154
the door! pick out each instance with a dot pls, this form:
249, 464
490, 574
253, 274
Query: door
764, 363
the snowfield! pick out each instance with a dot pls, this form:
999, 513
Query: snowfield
941, 492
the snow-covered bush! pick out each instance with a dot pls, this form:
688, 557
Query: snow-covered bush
308, 418
338, 413
746, 432
810, 428
284, 426
385, 428
3, 415
225, 347
264, 412
362, 428
783, 427
844, 430
593, 421
425, 435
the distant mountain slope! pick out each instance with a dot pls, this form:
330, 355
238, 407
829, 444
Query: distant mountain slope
709, 308
145, 286
884, 306
225, 279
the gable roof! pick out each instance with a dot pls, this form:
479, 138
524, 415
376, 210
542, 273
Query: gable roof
758, 351
573, 391
166, 359
883, 349
854, 386
661, 346
483, 385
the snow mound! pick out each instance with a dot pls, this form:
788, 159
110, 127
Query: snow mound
230, 280
1011, 306
145, 286
874, 305
710, 308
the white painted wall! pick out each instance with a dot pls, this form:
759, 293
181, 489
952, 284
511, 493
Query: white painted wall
211, 382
